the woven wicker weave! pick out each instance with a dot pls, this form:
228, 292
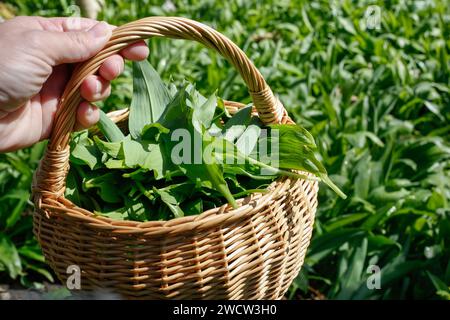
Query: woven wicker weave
253, 252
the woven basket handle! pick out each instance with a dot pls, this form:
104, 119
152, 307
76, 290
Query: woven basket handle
50, 178
269, 108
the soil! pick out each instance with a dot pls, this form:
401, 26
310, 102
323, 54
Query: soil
17, 292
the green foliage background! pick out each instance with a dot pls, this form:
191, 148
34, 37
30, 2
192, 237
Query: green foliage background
376, 98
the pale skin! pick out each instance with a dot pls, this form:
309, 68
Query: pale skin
36, 57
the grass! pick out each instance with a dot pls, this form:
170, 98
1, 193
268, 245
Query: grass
375, 95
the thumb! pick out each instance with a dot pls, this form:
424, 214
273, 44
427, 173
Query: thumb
76, 46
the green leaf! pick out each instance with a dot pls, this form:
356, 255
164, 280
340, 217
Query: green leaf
135, 211
301, 281
208, 172
204, 114
115, 164
195, 98
110, 148
158, 160
115, 215
72, 193
150, 97
248, 140
107, 187
9, 257
378, 241
392, 272
31, 251
173, 195
293, 148
438, 284
151, 132
177, 114
193, 207
40, 270
84, 152
344, 220
134, 153
328, 242
109, 129
240, 170
22, 197
236, 126
347, 25
352, 278
381, 194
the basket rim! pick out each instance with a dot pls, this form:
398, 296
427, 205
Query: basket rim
215, 216
206, 220
49, 197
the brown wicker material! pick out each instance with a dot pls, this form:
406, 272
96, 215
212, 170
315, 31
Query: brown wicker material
253, 252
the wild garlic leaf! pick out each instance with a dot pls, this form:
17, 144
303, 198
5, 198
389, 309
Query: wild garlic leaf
134, 153
150, 97
109, 129
221, 107
135, 210
177, 114
208, 172
296, 151
297, 132
109, 192
215, 130
112, 149
72, 189
236, 126
193, 207
115, 215
115, 164
86, 155
195, 97
172, 89
94, 181
171, 203
173, 196
83, 150
137, 175
244, 170
9, 257
156, 160
152, 131
248, 140
203, 114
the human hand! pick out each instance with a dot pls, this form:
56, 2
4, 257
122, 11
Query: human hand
34, 69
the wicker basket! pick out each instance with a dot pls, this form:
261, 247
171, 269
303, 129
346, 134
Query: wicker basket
253, 252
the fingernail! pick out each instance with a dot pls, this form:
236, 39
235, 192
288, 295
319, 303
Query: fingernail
88, 111
100, 30
119, 67
93, 114
98, 87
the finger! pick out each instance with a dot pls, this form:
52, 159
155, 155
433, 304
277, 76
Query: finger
87, 116
137, 51
112, 67
65, 24
73, 46
3, 114
95, 88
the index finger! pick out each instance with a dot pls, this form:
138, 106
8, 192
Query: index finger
64, 24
